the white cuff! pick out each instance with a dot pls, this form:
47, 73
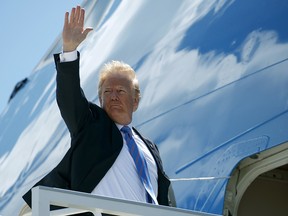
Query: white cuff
68, 56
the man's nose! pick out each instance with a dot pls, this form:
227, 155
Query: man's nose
114, 95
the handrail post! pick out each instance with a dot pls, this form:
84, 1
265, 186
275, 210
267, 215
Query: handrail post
40, 205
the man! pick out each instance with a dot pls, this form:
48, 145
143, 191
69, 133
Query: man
101, 157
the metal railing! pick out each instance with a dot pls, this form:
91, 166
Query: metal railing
78, 202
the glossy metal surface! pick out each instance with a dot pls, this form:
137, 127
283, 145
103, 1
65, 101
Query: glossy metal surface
213, 76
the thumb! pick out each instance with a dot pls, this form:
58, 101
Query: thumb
86, 31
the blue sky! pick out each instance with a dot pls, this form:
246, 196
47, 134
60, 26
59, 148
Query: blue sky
28, 29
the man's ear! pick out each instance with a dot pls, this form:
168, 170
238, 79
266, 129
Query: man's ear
135, 103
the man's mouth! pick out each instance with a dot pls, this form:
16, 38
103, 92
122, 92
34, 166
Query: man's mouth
115, 106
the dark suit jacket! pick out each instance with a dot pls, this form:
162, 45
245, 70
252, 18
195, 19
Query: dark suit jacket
95, 139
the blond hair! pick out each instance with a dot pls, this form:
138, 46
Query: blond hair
114, 67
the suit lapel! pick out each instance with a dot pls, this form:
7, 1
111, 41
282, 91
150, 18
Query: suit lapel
153, 149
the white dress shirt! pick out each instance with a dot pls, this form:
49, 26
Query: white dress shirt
122, 180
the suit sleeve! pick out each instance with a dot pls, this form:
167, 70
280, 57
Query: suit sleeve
75, 110
71, 100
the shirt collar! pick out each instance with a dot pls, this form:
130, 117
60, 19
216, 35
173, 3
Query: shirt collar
119, 126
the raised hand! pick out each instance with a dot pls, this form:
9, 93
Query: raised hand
73, 31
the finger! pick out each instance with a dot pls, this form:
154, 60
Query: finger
66, 20
82, 17
72, 15
77, 14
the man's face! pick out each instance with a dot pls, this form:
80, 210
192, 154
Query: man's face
118, 98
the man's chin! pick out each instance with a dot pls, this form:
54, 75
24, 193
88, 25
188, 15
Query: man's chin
120, 118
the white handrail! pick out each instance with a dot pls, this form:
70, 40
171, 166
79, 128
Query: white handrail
77, 202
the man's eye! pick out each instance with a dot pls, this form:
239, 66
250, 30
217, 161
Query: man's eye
121, 91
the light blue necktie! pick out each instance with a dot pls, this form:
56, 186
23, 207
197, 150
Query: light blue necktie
140, 163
